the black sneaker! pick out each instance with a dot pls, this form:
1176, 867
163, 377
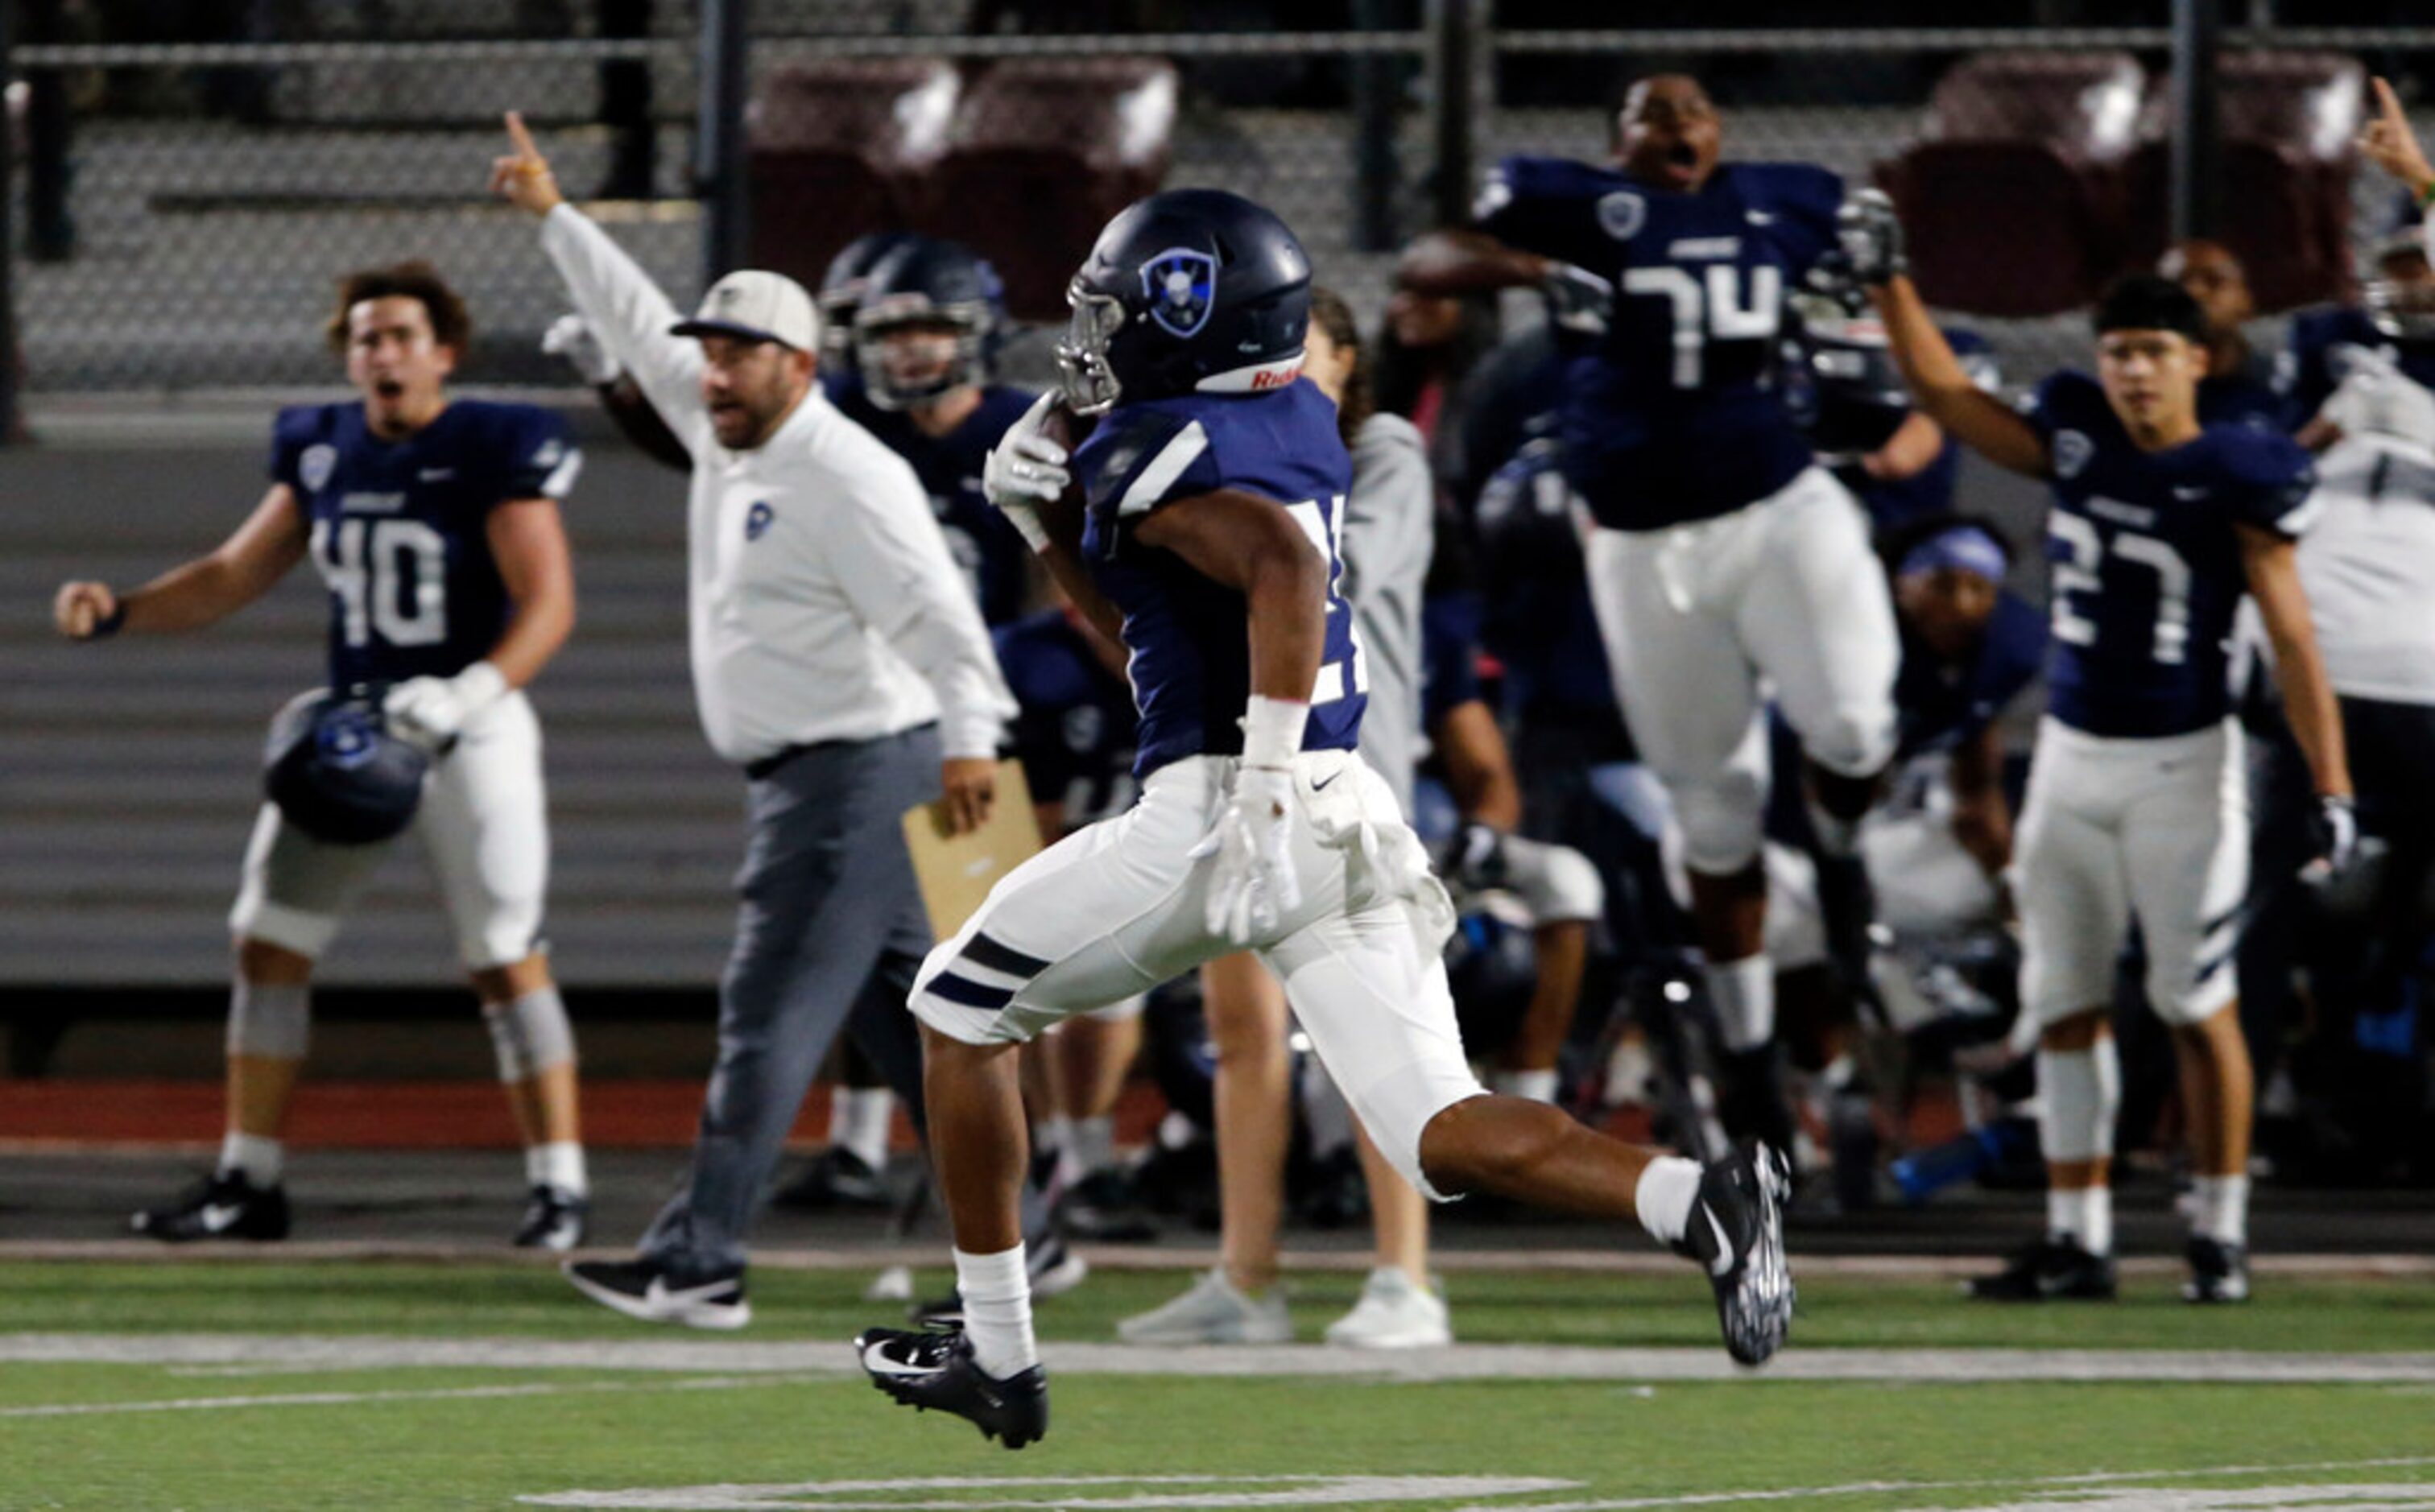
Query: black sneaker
2050, 1270
1736, 1234
837, 1178
1052, 1268
643, 1290
1104, 1208
222, 1206
934, 1368
555, 1220
2218, 1272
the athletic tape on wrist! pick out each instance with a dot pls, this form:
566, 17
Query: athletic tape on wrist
1273, 730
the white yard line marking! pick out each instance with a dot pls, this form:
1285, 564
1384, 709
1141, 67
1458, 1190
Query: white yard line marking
1588, 1262
350, 1399
827, 1359
1639, 1504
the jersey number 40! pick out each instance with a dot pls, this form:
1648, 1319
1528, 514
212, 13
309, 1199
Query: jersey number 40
391, 575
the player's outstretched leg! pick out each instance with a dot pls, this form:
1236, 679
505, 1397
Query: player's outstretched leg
985, 1367
1728, 1215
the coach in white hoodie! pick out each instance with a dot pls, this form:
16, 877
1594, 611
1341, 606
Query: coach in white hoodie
839, 659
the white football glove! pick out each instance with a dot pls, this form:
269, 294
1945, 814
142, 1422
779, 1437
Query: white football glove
1870, 234
433, 712
571, 337
1578, 300
1026, 470
1253, 886
2377, 399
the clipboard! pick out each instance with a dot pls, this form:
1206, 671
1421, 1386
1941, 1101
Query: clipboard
957, 873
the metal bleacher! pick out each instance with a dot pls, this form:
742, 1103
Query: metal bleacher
129, 771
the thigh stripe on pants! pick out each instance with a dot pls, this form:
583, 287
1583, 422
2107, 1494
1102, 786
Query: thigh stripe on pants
987, 953
970, 993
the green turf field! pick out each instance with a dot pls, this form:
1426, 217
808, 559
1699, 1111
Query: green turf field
360, 1385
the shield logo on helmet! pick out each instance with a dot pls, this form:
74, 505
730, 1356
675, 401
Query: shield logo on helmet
1181, 286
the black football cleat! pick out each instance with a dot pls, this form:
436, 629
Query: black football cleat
2055, 1270
1736, 1234
222, 1206
555, 1219
2218, 1272
934, 1369
643, 1291
836, 1178
1103, 1207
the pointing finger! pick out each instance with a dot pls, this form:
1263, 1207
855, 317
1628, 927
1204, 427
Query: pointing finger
521, 138
2388, 104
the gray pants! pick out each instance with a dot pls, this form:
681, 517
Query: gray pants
831, 926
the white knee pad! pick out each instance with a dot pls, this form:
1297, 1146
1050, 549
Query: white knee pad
1719, 815
1743, 994
531, 1034
274, 1022
293, 929
2080, 1093
1853, 743
1557, 884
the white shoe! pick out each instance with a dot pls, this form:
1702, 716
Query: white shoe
1213, 1312
1393, 1314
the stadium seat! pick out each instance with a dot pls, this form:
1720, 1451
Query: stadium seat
1044, 152
2013, 193
834, 149
2287, 121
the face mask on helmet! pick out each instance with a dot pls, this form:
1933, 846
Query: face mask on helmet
1089, 381
1844, 386
2399, 294
911, 351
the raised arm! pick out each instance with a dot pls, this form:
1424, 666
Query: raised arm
208, 588
2390, 144
1449, 264
624, 309
1944, 388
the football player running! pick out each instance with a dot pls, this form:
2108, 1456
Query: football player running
1210, 495
435, 523
1724, 556
2136, 804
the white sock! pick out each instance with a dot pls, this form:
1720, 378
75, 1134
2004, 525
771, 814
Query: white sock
1743, 992
2080, 1094
997, 1311
859, 1118
262, 1159
2085, 1214
1088, 1146
2223, 1209
1538, 1086
557, 1164
1668, 1188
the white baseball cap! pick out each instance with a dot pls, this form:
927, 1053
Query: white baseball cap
754, 304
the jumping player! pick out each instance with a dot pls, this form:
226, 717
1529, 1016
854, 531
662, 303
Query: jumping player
2136, 802
1211, 491
1724, 555
435, 523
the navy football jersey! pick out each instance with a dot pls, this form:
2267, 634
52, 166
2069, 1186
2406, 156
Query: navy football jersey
1539, 622
1673, 415
1187, 636
2146, 567
2240, 398
400, 528
2307, 374
1938, 706
1075, 730
991, 551
1449, 654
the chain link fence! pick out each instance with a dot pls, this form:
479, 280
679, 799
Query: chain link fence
185, 196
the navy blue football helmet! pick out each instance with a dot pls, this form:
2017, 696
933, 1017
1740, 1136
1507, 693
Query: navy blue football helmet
924, 281
1189, 289
335, 771
1841, 380
841, 286
2397, 290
